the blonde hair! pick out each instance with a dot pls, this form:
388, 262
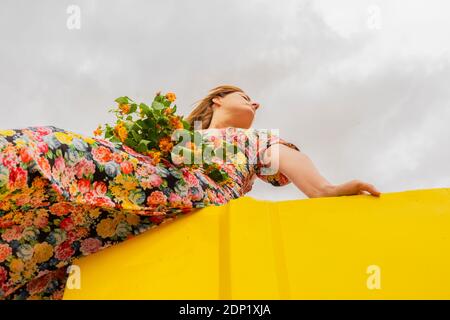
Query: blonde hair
203, 111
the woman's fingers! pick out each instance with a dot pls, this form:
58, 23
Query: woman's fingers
371, 189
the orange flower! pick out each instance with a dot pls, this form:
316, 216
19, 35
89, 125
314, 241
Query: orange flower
98, 131
125, 108
165, 144
121, 132
171, 96
168, 111
155, 155
176, 123
156, 198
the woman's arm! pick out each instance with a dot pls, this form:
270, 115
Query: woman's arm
299, 168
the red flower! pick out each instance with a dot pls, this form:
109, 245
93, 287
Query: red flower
17, 178
61, 208
25, 155
156, 219
67, 224
42, 147
3, 275
100, 188
45, 166
5, 252
127, 167
64, 251
43, 131
103, 202
156, 197
101, 154
90, 245
84, 185
117, 158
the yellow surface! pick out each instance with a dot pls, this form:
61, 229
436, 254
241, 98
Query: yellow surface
300, 249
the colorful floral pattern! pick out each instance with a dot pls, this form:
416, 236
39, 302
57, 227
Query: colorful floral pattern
64, 195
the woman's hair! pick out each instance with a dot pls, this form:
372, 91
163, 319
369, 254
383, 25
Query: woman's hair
203, 111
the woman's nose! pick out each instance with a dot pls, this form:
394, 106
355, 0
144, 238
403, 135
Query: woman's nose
256, 105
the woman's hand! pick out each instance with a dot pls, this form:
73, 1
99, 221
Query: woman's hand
353, 187
299, 168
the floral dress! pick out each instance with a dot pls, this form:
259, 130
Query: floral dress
64, 195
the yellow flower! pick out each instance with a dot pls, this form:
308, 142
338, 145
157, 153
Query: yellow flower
77, 135
89, 140
42, 252
121, 132
171, 96
30, 268
98, 131
128, 205
155, 155
16, 265
94, 213
7, 132
134, 161
15, 277
133, 219
73, 188
63, 137
20, 143
126, 182
5, 205
106, 228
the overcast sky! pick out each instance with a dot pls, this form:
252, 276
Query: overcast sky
360, 86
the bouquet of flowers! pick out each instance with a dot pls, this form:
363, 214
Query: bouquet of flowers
158, 132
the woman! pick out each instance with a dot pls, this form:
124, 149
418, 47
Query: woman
64, 195
229, 106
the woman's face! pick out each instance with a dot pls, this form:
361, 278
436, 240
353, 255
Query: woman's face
239, 106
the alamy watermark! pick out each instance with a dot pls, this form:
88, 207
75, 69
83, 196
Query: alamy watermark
374, 278
74, 19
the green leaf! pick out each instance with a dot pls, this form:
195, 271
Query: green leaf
129, 141
133, 107
142, 147
186, 124
136, 136
123, 100
109, 132
157, 105
149, 123
145, 108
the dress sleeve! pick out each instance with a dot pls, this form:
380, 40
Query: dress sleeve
265, 140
